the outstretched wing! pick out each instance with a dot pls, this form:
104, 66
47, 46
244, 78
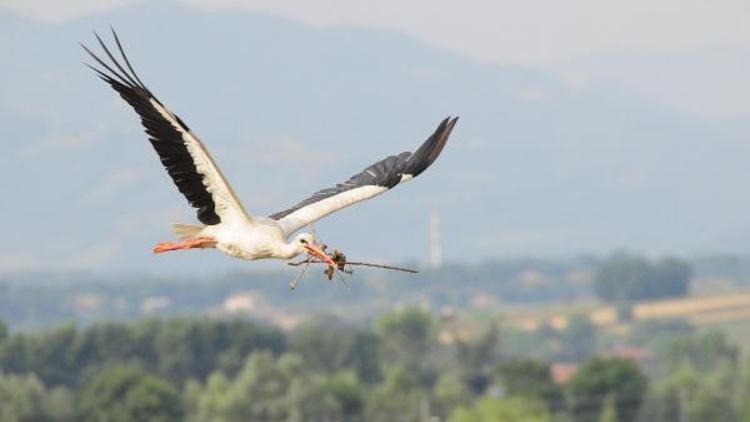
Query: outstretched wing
181, 152
371, 182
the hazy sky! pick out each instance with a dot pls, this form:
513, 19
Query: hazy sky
521, 32
582, 41
645, 108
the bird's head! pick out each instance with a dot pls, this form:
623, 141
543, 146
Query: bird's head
305, 243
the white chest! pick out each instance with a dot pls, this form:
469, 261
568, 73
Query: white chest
248, 241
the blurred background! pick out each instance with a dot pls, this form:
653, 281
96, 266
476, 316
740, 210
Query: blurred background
583, 241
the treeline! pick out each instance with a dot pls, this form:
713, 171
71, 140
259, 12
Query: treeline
38, 300
624, 278
404, 366
204, 369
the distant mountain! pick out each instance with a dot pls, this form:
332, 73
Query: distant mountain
536, 165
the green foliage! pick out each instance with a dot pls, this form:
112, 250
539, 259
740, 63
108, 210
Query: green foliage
686, 394
400, 397
202, 369
530, 378
127, 393
280, 389
655, 331
476, 355
193, 348
105, 344
449, 393
24, 398
577, 339
48, 357
328, 344
177, 349
712, 405
609, 414
345, 388
625, 277
703, 352
511, 409
601, 378
407, 337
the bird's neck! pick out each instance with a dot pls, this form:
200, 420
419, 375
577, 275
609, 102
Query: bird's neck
289, 250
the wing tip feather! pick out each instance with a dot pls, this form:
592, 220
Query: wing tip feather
433, 146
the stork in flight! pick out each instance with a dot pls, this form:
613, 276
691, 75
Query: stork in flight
227, 226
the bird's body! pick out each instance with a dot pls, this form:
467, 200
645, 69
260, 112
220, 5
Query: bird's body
261, 239
227, 226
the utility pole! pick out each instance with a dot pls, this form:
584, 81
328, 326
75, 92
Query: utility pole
436, 241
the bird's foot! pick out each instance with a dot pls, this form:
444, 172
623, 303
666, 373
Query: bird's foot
162, 247
198, 242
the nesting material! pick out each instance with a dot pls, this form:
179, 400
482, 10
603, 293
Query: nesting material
342, 264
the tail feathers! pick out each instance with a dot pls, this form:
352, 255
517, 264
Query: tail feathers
186, 231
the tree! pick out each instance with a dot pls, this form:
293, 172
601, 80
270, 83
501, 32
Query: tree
127, 393
530, 378
653, 331
46, 354
3, 331
102, 345
600, 378
711, 405
704, 352
624, 278
407, 337
448, 394
609, 413
193, 348
25, 398
476, 356
511, 409
266, 389
687, 395
399, 398
577, 339
345, 388
672, 277
329, 344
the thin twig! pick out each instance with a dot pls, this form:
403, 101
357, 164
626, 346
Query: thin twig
383, 266
293, 283
364, 264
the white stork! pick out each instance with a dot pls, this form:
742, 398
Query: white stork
227, 226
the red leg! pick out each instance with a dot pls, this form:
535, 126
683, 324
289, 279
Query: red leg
199, 242
166, 247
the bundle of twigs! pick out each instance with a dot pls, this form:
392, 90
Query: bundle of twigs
342, 264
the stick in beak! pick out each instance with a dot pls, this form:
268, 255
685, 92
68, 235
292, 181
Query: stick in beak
315, 251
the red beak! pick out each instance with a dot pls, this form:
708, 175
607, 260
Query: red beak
315, 251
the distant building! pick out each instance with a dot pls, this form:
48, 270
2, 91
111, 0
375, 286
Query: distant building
638, 354
87, 302
563, 372
155, 303
239, 302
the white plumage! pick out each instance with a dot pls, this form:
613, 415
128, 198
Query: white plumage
227, 226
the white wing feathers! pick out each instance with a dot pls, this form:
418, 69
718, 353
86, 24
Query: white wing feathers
372, 181
183, 155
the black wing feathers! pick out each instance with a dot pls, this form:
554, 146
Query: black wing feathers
388, 172
426, 154
164, 137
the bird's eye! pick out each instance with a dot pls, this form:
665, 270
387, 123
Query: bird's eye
303, 241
